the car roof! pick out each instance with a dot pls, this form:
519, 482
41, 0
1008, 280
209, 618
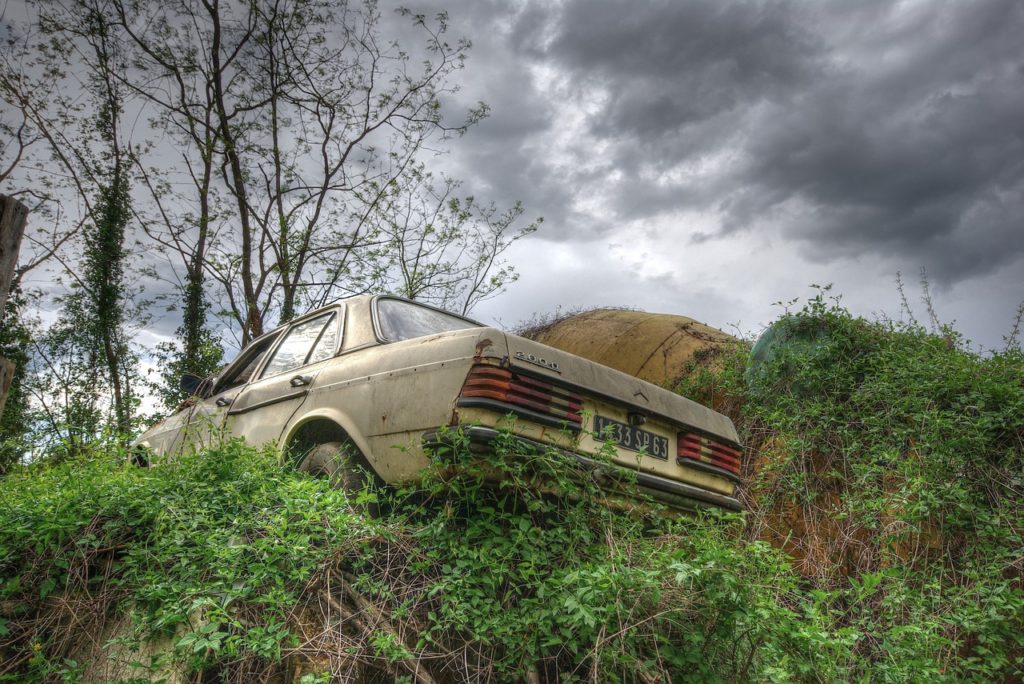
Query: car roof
355, 302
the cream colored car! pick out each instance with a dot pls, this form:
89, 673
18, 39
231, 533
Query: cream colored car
368, 385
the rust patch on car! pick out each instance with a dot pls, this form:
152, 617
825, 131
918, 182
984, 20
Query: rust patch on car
482, 346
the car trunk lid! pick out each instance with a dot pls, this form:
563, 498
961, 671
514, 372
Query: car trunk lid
654, 430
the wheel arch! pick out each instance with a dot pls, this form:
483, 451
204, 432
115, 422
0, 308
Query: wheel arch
321, 427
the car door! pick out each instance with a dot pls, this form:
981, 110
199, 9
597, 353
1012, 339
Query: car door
263, 407
204, 420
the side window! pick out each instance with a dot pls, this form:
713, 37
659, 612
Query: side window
327, 343
250, 359
303, 341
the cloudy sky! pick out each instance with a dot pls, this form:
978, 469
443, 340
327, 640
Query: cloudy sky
711, 159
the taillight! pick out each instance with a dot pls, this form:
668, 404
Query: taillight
523, 391
700, 448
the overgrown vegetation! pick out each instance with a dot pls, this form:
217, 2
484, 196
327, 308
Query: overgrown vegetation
253, 570
886, 461
15, 337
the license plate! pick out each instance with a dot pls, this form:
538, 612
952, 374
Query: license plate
632, 438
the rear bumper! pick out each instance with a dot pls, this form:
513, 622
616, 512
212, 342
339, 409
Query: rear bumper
614, 479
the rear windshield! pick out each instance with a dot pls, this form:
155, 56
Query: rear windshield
401, 320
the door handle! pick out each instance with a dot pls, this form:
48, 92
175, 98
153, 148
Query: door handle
301, 380
223, 401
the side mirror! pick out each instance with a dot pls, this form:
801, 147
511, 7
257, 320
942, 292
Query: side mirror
190, 384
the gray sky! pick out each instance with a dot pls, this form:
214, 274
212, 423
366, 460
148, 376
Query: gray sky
710, 159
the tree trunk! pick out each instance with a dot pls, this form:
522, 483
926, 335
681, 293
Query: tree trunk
13, 215
6, 378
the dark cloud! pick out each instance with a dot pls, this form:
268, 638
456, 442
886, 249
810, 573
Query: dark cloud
752, 147
670, 64
502, 158
866, 128
917, 154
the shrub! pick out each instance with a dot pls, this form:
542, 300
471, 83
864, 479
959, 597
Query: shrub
887, 460
248, 566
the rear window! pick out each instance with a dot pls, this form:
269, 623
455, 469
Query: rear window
401, 320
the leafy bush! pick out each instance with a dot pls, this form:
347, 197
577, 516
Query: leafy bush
220, 541
887, 460
248, 566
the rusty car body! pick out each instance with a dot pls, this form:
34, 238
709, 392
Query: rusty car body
368, 386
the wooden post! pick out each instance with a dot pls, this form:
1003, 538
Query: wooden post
13, 215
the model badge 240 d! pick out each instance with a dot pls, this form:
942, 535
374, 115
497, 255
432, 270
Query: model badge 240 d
340, 387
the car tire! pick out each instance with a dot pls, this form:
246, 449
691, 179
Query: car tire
336, 461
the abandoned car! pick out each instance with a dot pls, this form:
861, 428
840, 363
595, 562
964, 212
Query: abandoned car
368, 386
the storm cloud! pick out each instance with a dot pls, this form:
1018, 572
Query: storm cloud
895, 129
709, 158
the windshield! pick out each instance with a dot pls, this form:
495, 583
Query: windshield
401, 320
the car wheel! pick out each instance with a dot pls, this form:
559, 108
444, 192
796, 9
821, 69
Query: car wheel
339, 463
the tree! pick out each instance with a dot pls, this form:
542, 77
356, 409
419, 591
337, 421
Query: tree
278, 140
22, 112
302, 106
99, 303
439, 248
93, 167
